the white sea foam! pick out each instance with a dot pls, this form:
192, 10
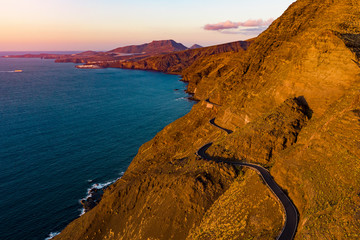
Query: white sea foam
180, 99
82, 211
52, 235
97, 186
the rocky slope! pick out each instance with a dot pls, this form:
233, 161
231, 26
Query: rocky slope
265, 137
258, 214
293, 101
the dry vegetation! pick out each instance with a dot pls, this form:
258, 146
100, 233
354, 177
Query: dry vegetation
247, 210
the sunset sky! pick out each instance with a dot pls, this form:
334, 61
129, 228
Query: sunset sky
42, 25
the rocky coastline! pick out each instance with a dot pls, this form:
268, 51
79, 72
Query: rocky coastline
93, 198
290, 97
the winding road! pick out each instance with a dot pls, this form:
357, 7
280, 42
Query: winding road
289, 229
212, 121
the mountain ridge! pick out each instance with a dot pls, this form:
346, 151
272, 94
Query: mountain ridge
160, 54
176, 62
154, 47
309, 54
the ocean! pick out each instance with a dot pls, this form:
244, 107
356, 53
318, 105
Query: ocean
63, 130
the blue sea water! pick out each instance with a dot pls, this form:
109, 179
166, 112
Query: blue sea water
61, 127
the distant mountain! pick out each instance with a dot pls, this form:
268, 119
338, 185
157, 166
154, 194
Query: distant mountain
176, 62
155, 47
195, 46
87, 53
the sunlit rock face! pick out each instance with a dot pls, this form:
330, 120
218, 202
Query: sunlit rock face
292, 99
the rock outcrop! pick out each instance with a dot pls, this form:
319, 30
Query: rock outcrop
265, 137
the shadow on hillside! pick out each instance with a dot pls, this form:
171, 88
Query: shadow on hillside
302, 102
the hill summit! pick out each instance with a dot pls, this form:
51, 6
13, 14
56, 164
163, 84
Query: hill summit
154, 47
195, 46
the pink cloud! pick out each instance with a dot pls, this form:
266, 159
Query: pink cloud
220, 26
256, 23
259, 23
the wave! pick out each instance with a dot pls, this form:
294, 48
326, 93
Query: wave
82, 211
92, 190
188, 99
52, 235
181, 98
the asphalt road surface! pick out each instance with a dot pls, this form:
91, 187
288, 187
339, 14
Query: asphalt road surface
290, 226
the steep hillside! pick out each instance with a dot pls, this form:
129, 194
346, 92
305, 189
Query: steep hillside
165, 184
258, 214
293, 58
265, 137
311, 52
293, 101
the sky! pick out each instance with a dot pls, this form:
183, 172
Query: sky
66, 25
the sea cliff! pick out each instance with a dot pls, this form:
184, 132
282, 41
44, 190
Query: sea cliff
292, 100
